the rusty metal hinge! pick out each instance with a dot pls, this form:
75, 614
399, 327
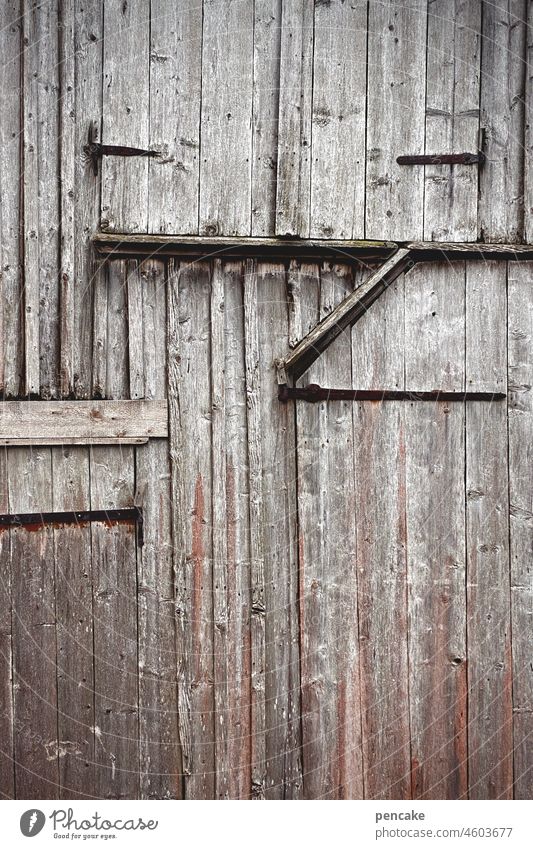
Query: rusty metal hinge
94, 150
36, 521
443, 159
313, 393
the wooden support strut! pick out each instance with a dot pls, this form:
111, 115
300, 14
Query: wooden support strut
314, 393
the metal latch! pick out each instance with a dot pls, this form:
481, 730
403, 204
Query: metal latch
94, 150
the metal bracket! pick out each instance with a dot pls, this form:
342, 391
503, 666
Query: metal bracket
443, 159
313, 393
36, 521
94, 150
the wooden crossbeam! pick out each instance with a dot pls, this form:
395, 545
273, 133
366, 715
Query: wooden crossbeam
81, 422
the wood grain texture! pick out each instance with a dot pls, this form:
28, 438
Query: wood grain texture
395, 99
175, 97
501, 206
338, 120
490, 716
226, 126
11, 317
294, 120
528, 132
267, 42
452, 118
74, 607
7, 760
520, 377
125, 114
331, 708
51, 420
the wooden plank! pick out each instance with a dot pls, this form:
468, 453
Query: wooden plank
125, 115
34, 629
294, 121
267, 41
339, 127
175, 97
345, 313
435, 522
282, 672
226, 132
520, 377
7, 760
41, 197
330, 675
160, 756
379, 445
74, 608
116, 712
501, 182
528, 133
257, 530
395, 99
452, 119
11, 341
190, 404
490, 714
53, 420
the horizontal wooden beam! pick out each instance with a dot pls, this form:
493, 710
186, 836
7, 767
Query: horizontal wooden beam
81, 422
344, 314
315, 393
434, 251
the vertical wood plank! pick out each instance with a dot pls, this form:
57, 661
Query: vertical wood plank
175, 97
226, 131
41, 197
257, 536
339, 113
34, 629
501, 182
395, 99
452, 119
528, 133
190, 427
520, 377
435, 522
7, 760
11, 335
294, 121
282, 671
267, 40
125, 115
490, 717
331, 709
74, 606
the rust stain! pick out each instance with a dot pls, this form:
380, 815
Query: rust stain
197, 556
341, 779
461, 753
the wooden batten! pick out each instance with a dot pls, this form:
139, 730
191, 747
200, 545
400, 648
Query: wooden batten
81, 422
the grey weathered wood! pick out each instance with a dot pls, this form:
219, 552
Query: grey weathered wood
74, 609
52, 420
282, 672
160, 756
528, 133
41, 196
267, 40
345, 313
257, 534
331, 709
226, 131
520, 377
175, 88
435, 523
396, 100
7, 761
294, 121
501, 204
189, 395
490, 715
452, 119
11, 344
125, 114
339, 128
34, 629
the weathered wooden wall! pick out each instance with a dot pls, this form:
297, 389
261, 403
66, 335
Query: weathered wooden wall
324, 603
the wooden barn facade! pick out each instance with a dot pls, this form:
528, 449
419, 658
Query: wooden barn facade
216, 579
